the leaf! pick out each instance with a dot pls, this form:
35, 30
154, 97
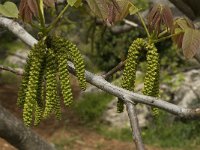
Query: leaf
133, 10
78, 3
32, 4
167, 17
9, 9
110, 11
99, 8
73, 2
49, 3
123, 9
191, 42
178, 39
181, 24
160, 16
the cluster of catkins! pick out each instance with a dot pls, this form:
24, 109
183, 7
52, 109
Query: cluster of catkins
45, 72
151, 80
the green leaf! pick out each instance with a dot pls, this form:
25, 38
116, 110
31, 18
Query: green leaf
75, 3
9, 9
191, 42
78, 3
133, 10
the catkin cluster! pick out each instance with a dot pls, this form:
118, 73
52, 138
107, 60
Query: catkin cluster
45, 72
151, 81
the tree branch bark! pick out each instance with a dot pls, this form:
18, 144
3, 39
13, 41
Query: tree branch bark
13, 131
180, 4
135, 126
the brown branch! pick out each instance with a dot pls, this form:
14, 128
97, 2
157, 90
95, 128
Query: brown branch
114, 70
11, 70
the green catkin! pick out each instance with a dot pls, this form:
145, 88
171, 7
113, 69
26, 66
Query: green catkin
24, 83
62, 55
57, 109
38, 114
74, 55
129, 74
68, 51
78, 63
37, 57
151, 81
64, 79
38, 94
51, 83
39, 107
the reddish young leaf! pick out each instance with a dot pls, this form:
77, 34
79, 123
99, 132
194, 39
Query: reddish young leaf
122, 7
32, 4
24, 11
159, 16
167, 17
49, 3
110, 11
191, 42
152, 16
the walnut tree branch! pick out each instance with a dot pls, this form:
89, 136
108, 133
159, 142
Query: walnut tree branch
11, 70
135, 126
101, 83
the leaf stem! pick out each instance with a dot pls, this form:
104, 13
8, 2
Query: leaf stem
167, 37
53, 24
144, 25
41, 14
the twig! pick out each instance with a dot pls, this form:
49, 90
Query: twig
114, 70
11, 70
135, 126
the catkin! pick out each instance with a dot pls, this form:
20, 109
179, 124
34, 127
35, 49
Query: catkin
129, 74
151, 81
51, 83
78, 63
45, 70
33, 84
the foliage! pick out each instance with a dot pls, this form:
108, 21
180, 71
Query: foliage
9, 9
91, 106
123, 134
173, 134
111, 48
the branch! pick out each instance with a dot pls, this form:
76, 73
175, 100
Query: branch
16, 29
131, 112
11, 70
135, 126
180, 4
132, 97
13, 131
102, 84
114, 70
